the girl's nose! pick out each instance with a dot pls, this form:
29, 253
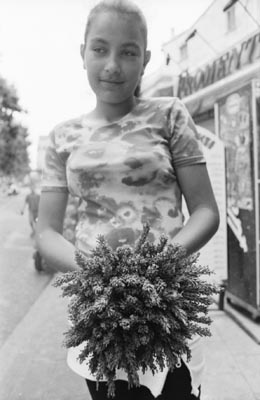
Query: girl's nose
112, 65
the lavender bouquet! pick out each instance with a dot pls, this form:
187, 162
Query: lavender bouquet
136, 308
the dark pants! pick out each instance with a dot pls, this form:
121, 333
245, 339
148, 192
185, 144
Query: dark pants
177, 387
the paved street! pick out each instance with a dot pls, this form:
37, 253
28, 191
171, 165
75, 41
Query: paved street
20, 283
33, 361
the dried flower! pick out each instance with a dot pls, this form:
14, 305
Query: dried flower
136, 308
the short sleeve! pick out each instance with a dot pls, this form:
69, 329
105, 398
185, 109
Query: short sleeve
186, 147
54, 168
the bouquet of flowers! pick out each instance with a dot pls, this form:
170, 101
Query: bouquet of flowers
136, 307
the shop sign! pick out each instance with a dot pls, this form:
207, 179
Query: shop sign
246, 53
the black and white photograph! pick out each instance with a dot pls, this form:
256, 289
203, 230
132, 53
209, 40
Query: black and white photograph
130, 200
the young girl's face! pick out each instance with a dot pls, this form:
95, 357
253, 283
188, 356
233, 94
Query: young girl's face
114, 56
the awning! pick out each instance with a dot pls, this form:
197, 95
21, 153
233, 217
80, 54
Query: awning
204, 100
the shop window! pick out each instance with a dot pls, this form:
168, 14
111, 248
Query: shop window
184, 51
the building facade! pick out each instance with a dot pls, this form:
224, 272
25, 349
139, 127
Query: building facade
215, 69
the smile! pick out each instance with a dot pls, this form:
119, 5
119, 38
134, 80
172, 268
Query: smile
111, 82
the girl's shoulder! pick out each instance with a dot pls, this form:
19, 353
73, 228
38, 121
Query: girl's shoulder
68, 125
69, 130
163, 104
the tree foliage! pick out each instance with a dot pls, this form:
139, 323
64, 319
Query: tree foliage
14, 158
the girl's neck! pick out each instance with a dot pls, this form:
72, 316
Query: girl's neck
108, 112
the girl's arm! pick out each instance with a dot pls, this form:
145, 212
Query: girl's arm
204, 216
55, 249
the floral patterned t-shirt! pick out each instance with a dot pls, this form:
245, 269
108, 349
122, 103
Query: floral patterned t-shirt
124, 171
124, 174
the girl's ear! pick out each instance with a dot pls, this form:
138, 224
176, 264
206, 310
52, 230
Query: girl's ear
82, 53
147, 57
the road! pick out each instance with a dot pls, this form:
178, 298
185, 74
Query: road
20, 283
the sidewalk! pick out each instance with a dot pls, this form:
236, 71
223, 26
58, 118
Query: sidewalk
232, 357
33, 362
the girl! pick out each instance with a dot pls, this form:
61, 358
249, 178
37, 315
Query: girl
129, 161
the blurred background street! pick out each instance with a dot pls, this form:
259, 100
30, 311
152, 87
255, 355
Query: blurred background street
20, 283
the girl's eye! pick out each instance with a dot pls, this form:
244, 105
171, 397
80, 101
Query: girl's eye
99, 50
129, 53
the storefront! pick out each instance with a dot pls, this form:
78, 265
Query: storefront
224, 98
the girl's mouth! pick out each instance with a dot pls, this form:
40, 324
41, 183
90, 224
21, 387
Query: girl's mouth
112, 81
